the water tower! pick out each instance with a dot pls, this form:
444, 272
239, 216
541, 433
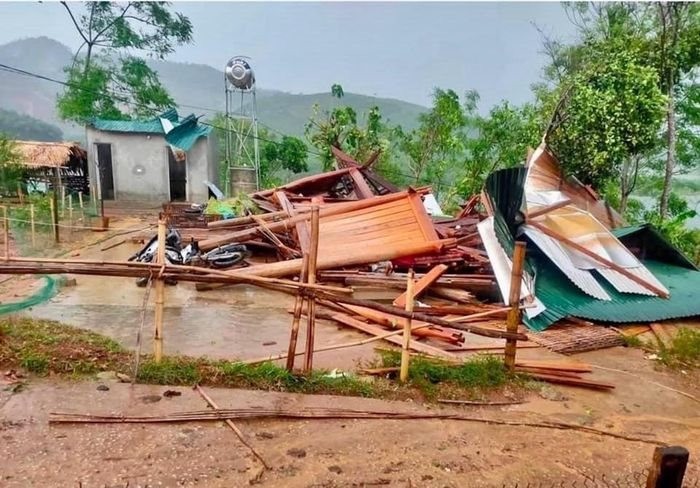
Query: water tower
241, 138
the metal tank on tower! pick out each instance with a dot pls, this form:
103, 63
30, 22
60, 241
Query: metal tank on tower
241, 135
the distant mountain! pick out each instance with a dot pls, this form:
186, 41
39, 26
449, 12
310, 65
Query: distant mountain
191, 85
27, 128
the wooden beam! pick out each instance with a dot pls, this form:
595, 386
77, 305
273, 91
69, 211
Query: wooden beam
421, 284
362, 189
602, 260
549, 208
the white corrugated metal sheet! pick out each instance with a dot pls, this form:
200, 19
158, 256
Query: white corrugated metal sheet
502, 267
555, 251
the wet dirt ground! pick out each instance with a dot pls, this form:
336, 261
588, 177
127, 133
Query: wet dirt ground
345, 453
245, 322
238, 322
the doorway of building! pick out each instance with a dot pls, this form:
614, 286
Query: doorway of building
104, 163
177, 166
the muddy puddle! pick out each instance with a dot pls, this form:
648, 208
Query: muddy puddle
238, 322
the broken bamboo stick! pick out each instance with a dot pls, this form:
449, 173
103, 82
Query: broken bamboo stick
233, 426
405, 353
311, 278
331, 413
513, 320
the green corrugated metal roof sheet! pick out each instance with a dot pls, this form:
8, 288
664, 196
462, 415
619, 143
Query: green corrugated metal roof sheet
186, 134
563, 299
183, 135
153, 126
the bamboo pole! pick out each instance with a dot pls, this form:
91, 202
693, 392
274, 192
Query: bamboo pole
334, 347
160, 295
54, 215
405, 351
228, 277
514, 314
93, 196
70, 214
80, 199
31, 221
6, 232
233, 426
311, 279
63, 200
298, 306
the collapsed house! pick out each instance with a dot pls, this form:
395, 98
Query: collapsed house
584, 270
166, 158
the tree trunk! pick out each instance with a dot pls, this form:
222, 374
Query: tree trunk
624, 197
670, 151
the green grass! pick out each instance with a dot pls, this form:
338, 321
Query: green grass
435, 378
684, 350
51, 348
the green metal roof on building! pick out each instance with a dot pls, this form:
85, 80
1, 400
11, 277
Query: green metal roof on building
563, 299
183, 134
153, 126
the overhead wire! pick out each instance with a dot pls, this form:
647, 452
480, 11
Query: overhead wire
126, 101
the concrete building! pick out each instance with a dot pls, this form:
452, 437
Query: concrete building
157, 160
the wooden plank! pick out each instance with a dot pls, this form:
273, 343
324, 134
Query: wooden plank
549, 208
301, 227
422, 283
555, 365
597, 385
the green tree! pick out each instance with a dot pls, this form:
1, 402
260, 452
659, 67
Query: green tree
436, 146
340, 128
11, 171
609, 112
498, 140
675, 52
288, 154
109, 82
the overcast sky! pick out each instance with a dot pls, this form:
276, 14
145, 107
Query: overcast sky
397, 50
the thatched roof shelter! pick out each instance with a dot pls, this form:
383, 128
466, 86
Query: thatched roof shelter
36, 154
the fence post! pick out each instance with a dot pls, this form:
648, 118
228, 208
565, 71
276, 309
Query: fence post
54, 215
70, 214
160, 295
405, 352
668, 467
514, 314
31, 221
63, 200
6, 232
311, 302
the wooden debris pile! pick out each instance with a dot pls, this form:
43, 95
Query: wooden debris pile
370, 235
